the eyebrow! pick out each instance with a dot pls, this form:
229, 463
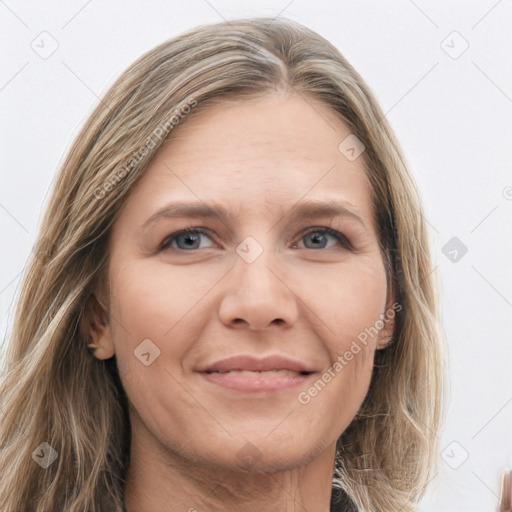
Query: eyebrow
301, 211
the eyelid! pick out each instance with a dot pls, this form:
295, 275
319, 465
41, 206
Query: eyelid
194, 229
338, 235
342, 239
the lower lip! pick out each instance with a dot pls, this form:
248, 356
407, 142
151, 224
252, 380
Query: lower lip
262, 381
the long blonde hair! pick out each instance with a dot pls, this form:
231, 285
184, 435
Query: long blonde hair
54, 391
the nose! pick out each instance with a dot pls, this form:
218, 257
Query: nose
257, 295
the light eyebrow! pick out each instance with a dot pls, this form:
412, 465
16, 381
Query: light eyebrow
322, 209
191, 210
304, 210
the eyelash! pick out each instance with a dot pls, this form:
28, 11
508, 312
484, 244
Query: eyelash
342, 239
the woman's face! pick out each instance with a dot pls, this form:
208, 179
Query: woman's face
262, 278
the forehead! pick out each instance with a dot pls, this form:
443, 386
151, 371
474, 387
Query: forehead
262, 129
257, 156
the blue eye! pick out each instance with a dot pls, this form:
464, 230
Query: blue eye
189, 239
318, 236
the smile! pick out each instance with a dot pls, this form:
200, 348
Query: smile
257, 381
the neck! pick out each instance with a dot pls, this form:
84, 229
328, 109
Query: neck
158, 477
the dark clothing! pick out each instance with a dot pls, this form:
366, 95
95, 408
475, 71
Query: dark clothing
340, 502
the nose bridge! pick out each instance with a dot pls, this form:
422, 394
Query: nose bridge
256, 294
254, 264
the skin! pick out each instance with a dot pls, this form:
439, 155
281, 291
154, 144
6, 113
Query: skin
257, 159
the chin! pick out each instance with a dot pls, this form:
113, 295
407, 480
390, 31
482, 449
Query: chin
263, 455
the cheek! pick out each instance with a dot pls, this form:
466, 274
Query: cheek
349, 307
149, 305
150, 300
153, 315
347, 301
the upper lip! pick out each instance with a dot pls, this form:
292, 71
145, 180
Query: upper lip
271, 362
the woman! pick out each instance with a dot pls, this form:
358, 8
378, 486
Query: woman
231, 305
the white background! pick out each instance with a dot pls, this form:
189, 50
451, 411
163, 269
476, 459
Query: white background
451, 115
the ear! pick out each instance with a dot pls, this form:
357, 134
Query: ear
96, 329
387, 319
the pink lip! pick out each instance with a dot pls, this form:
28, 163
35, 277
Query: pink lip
271, 362
257, 382
261, 379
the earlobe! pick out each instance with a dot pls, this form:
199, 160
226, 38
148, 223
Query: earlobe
97, 329
384, 338
387, 321
100, 352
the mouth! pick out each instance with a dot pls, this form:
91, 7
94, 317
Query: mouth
252, 374
258, 372
255, 381
269, 363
